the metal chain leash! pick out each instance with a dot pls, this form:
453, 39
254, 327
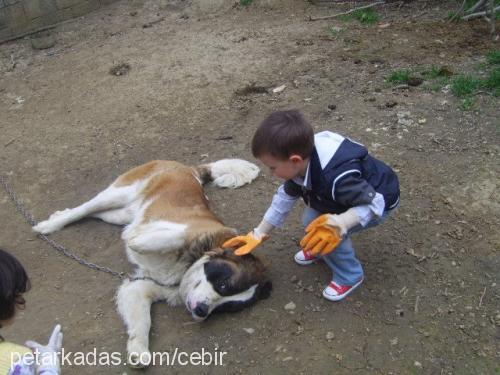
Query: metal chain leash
18, 203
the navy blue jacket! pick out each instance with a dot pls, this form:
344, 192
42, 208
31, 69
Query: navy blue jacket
341, 174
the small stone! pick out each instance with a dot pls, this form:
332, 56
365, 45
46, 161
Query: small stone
43, 40
290, 306
393, 341
249, 330
330, 336
279, 89
294, 279
286, 359
422, 121
417, 364
332, 107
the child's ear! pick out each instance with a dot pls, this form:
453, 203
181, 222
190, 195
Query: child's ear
294, 158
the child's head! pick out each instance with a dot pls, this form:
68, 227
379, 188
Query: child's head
13, 283
284, 142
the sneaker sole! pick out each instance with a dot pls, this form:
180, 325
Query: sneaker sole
301, 262
341, 297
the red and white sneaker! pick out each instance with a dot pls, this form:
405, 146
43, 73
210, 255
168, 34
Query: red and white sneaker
336, 292
303, 258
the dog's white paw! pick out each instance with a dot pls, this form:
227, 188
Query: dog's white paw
47, 227
139, 355
53, 223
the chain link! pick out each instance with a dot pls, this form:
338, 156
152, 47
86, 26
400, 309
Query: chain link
18, 203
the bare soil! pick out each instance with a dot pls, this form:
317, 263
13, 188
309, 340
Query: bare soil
192, 80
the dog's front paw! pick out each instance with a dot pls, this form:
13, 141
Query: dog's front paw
55, 222
139, 355
47, 227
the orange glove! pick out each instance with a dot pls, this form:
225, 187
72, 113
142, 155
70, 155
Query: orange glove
325, 233
246, 244
253, 239
321, 238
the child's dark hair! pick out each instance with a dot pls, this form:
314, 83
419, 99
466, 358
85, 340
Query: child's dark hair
282, 134
13, 283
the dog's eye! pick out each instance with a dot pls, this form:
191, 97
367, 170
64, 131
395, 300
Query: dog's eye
223, 285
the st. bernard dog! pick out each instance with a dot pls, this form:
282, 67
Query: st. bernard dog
173, 238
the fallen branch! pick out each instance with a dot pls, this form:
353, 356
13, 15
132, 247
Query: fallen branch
481, 14
348, 12
492, 17
459, 12
476, 6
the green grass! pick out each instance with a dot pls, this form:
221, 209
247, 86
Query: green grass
399, 76
492, 82
493, 57
437, 72
464, 85
365, 16
467, 104
245, 2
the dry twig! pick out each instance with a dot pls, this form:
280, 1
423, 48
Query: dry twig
482, 296
348, 12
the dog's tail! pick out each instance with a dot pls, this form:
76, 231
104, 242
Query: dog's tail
228, 173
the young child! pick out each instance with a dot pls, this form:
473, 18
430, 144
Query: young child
345, 190
16, 359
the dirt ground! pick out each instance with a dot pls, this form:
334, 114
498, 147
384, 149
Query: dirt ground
431, 300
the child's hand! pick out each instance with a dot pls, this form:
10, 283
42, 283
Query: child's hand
246, 244
321, 239
329, 221
323, 235
47, 356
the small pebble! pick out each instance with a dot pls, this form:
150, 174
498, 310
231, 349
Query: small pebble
290, 306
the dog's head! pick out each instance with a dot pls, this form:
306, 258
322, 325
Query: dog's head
221, 281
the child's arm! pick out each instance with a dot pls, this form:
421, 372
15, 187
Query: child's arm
275, 216
325, 233
354, 191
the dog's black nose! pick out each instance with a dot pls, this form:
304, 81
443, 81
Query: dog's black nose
201, 310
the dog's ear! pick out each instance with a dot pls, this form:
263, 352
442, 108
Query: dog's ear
265, 289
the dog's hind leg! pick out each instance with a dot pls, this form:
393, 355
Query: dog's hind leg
134, 301
109, 199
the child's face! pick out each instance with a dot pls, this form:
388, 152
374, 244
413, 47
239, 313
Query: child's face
294, 166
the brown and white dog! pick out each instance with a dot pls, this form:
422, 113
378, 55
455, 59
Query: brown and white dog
174, 238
